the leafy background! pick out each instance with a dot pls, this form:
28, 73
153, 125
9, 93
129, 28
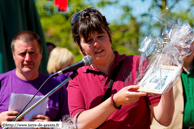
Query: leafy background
129, 29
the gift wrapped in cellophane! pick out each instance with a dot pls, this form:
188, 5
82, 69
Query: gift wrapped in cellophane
165, 65
164, 56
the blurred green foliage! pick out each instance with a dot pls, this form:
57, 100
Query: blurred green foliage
126, 35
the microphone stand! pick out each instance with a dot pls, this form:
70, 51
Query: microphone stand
74, 74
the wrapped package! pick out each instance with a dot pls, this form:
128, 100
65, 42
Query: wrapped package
182, 37
165, 65
164, 56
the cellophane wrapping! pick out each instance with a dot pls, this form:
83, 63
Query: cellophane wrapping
164, 56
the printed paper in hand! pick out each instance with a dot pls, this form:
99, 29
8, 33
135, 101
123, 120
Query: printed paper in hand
18, 101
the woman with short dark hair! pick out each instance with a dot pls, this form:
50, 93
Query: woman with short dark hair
125, 107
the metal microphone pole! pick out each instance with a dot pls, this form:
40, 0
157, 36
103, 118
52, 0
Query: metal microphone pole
74, 74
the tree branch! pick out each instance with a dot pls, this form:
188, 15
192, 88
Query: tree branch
174, 4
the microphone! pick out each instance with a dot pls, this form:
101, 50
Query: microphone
87, 60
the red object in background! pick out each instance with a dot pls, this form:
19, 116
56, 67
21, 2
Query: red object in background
62, 4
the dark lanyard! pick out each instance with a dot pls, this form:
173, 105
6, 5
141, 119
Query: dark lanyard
113, 77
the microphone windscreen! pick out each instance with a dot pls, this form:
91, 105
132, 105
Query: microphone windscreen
87, 60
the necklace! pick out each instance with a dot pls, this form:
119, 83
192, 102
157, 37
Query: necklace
92, 66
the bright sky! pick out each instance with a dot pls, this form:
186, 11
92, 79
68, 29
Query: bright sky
112, 12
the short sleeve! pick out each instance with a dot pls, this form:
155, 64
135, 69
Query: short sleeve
75, 97
153, 98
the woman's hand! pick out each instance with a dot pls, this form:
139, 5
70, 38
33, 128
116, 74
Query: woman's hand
128, 95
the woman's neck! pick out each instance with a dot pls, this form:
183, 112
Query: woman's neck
105, 67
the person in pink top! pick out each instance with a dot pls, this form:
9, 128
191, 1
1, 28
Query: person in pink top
125, 107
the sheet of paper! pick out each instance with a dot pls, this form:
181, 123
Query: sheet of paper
18, 101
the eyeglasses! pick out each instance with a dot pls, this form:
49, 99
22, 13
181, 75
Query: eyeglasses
185, 48
185, 51
76, 16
